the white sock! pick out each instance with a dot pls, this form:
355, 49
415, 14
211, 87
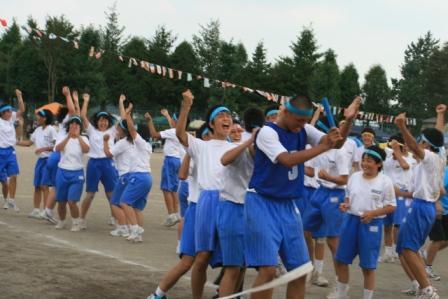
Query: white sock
415, 284
35, 210
75, 220
124, 227
368, 294
49, 211
342, 289
134, 229
429, 290
388, 250
319, 266
159, 292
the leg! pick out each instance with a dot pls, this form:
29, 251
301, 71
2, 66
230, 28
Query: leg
37, 198
342, 272
310, 244
173, 275
416, 266
130, 214
175, 198
229, 281
168, 201
12, 186
199, 273
85, 205
109, 196
139, 216
432, 250
119, 214
369, 279
265, 274
5, 189
62, 210
332, 243
45, 195
51, 198
74, 210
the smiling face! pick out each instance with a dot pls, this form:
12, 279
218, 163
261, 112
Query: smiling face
369, 166
221, 125
6, 115
235, 133
103, 124
367, 139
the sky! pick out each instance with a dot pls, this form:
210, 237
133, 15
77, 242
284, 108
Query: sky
361, 32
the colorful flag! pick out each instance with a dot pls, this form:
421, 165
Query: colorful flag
3, 22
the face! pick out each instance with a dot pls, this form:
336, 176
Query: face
221, 125
367, 139
103, 123
6, 115
294, 122
369, 166
40, 120
120, 131
235, 133
74, 128
272, 118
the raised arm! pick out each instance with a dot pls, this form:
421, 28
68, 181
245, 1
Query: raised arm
69, 100
24, 143
121, 106
398, 155
350, 114
168, 117
152, 129
85, 107
21, 103
184, 168
181, 132
84, 146
76, 102
440, 120
231, 155
130, 121
316, 114
410, 141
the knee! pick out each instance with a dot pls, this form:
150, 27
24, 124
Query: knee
72, 204
186, 263
90, 196
202, 259
267, 272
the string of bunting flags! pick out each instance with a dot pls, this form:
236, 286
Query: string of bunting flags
176, 74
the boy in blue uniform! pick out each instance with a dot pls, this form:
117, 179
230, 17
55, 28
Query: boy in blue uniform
273, 224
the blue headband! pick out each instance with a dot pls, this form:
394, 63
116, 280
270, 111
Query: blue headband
42, 113
423, 138
102, 113
205, 132
174, 116
217, 111
6, 108
272, 112
77, 118
298, 111
373, 153
122, 125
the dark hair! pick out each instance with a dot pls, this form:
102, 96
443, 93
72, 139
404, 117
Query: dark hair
379, 151
301, 99
62, 113
209, 114
368, 130
270, 108
201, 130
4, 105
124, 126
398, 138
102, 114
74, 119
47, 115
435, 137
253, 118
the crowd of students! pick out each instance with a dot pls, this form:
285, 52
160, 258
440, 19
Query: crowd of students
265, 194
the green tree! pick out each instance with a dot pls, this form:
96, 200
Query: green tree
377, 90
9, 42
436, 78
349, 84
326, 78
207, 45
258, 68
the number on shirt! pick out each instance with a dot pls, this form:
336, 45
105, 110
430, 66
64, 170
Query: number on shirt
294, 172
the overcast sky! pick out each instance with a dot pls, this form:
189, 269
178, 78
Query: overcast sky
360, 31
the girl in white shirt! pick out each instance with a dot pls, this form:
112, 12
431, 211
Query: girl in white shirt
43, 137
100, 167
370, 196
70, 175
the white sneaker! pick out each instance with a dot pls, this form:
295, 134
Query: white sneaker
334, 294
387, 259
5, 204
171, 220
120, 232
318, 280
60, 224
412, 291
431, 274
82, 223
112, 221
12, 204
49, 217
35, 213
434, 295
76, 227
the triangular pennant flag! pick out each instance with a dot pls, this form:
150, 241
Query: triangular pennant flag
163, 71
142, 64
98, 55
121, 58
206, 83
38, 32
170, 73
91, 51
52, 36
179, 73
159, 69
75, 44
130, 62
152, 68
64, 39
134, 62
3, 22
189, 77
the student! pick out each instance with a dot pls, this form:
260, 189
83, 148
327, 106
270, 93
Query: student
426, 190
4, 182
187, 243
43, 137
70, 174
370, 196
100, 167
253, 118
8, 158
236, 132
271, 113
273, 224
172, 151
368, 139
398, 169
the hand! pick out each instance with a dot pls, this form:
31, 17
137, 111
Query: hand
106, 137
439, 208
331, 139
400, 120
18, 93
188, 98
86, 97
122, 98
441, 108
38, 151
322, 174
343, 207
65, 90
129, 109
148, 116
367, 216
352, 110
164, 112
395, 145
74, 131
75, 96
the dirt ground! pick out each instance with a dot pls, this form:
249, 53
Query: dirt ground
37, 261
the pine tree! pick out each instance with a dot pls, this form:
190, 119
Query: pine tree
349, 84
377, 90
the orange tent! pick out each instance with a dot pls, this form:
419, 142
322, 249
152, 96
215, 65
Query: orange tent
53, 107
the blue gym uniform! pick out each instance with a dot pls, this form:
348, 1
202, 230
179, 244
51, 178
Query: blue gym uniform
170, 168
41, 174
52, 166
69, 185
187, 241
137, 189
183, 197
205, 225
8, 161
119, 189
304, 201
101, 169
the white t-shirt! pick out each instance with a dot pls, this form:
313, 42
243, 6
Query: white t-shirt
143, 151
71, 156
96, 141
207, 157
236, 177
123, 153
399, 176
313, 163
61, 128
369, 194
269, 143
351, 149
193, 186
335, 162
245, 136
172, 145
8, 132
44, 138
428, 177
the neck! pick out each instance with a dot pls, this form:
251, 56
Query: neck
369, 176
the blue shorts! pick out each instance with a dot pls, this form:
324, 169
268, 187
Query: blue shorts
400, 211
416, 226
69, 185
101, 170
170, 179
183, 197
187, 241
322, 216
230, 224
3, 177
41, 174
205, 229
273, 227
361, 239
137, 189
118, 190
303, 202
8, 161
52, 166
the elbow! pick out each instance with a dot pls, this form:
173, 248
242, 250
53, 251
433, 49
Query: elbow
182, 176
225, 161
